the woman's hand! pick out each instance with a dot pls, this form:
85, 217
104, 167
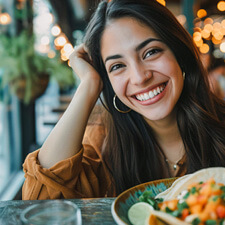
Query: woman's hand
82, 65
65, 140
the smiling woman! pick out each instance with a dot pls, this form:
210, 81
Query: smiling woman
161, 119
137, 68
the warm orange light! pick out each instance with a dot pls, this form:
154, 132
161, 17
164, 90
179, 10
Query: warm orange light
221, 6
201, 13
197, 36
208, 21
217, 25
199, 43
208, 27
222, 30
215, 41
162, 2
64, 57
205, 34
204, 48
5, 19
60, 41
218, 35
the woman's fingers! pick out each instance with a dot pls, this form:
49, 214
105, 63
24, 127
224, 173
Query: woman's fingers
80, 61
82, 65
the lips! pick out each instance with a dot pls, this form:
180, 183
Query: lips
151, 94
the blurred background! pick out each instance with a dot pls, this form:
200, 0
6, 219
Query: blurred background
37, 83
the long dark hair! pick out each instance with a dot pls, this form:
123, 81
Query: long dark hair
131, 151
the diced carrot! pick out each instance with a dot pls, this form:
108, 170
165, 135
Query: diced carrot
207, 211
172, 204
191, 200
202, 199
216, 190
184, 214
206, 190
203, 216
196, 209
220, 211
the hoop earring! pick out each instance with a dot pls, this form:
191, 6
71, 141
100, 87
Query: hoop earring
115, 106
183, 75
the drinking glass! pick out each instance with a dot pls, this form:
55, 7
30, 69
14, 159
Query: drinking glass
57, 212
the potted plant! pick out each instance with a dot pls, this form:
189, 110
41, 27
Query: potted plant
27, 72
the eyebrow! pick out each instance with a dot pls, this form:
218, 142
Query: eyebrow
138, 48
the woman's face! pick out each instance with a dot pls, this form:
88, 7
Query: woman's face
141, 68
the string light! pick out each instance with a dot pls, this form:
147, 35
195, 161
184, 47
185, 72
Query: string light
5, 19
60, 41
56, 30
221, 6
215, 41
197, 36
199, 43
208, 21
201, 13
222, 47
208, 27
204, 48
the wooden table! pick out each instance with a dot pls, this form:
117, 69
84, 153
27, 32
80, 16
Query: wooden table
94, 211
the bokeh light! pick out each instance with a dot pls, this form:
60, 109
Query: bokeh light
204, 48
221, 6
201, 13
5, 19
222, 47
56, 30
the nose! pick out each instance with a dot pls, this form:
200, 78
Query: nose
139, 74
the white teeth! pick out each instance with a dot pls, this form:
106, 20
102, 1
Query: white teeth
158, 90
150, 94
146, 96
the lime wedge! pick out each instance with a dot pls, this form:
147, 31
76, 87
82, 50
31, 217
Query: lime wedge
139, 213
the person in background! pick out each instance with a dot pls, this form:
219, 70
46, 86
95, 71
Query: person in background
216, 72
160, 118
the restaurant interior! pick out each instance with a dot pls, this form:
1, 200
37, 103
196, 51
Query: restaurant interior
36, 39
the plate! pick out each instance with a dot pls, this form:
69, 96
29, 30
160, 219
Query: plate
129, 197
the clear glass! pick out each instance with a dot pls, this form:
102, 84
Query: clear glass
57, 212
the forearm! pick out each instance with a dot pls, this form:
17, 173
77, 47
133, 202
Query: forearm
65, 140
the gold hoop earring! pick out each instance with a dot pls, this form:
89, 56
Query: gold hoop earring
183, 75
115, 106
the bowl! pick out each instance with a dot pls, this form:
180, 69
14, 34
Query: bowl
129, 197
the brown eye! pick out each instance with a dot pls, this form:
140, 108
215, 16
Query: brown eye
116, 67
152, 52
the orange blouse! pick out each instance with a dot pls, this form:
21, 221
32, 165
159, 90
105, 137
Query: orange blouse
84, 175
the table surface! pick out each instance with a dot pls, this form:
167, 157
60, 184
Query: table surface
94, 211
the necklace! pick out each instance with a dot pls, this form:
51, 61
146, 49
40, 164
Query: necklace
174, 165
